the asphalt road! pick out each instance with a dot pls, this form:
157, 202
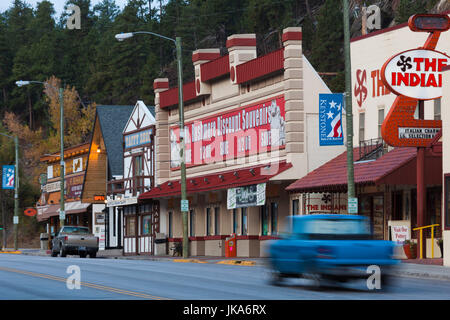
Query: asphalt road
25, 277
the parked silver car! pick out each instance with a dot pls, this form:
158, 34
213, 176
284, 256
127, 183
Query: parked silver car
75, 240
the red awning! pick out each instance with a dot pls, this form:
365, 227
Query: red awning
397, 167
218, 181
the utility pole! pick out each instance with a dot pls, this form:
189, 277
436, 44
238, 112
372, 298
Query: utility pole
182, 147
62, 213
16, 192
348, 103
16, 188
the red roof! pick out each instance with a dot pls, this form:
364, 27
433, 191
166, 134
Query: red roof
395, 167
223, 180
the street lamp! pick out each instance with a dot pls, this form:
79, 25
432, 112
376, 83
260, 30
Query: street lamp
177, 42
16, 189
21, 83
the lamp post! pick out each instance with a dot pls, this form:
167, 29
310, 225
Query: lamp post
16, 188
20, 83
177, 42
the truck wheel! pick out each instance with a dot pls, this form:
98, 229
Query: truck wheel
62, 252
275, 278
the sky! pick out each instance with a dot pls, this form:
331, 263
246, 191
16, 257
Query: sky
57, 4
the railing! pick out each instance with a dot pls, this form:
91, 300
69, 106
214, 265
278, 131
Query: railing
371, 149
432, 239
133, 185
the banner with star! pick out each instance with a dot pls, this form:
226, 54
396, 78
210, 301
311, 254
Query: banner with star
8, 176
330, 119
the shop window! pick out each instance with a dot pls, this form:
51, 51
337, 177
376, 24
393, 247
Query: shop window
170, 224
147, 224
264, 220
244, 221
274, 216
130, 226
437, 109
235, 221
191, 223
137, 166
380, 121
217, 221
295, 207
361, 126
208, 222
447, 202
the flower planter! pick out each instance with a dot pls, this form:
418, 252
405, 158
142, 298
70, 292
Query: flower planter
410, 250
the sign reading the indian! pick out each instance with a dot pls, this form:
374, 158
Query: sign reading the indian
416, 73
330, 119
245, 131
138, 138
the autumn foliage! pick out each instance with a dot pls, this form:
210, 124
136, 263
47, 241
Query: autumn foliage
78, 123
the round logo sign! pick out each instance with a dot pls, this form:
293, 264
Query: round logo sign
415, 73
30, 212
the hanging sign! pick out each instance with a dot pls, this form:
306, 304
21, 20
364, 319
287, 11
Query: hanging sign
8, 176
415, 73
30, 212
248, 196
330, 119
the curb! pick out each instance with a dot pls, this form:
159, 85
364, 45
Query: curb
237, 262
12, 252
189, 260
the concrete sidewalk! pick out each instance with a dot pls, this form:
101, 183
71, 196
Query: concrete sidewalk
404, 269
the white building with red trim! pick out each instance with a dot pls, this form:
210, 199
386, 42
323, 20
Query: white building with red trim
251, 128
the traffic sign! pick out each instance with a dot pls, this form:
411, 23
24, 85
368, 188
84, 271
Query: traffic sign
184, 205
352, 205
30, 212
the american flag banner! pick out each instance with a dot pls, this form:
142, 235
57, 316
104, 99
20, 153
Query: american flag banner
8, 175
330, 119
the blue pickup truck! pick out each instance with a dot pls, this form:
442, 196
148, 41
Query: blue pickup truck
329, 247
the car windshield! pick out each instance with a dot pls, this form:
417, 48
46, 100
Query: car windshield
76, 230
338, 229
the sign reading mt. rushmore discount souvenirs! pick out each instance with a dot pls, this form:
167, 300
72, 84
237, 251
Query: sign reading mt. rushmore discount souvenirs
241, 132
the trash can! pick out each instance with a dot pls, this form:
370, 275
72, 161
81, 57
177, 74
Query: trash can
44, 241
230, 246
160, 244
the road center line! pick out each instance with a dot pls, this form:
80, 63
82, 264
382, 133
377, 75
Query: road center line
86, 284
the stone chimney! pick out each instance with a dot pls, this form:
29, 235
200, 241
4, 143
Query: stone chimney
200, 57
162, 145
293, 87
241, 48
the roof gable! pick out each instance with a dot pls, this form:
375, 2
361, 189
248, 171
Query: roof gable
141, 117
112, 120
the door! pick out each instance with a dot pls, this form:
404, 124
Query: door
130, 230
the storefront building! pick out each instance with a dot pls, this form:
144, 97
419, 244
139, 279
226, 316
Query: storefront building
389, 198
132, 226
251, 129
49, 204
445, 139
103, 162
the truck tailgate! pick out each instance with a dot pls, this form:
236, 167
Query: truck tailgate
357, 251
81, 240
